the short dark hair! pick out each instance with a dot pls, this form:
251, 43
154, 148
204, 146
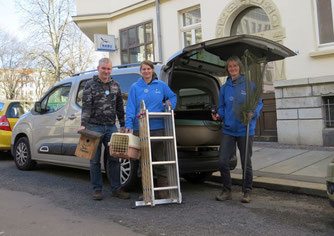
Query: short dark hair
148, 63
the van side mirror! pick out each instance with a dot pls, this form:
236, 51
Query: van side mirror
37, 107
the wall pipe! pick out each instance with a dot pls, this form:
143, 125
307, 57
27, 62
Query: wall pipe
157, 8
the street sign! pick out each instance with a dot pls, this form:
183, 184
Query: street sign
104, 42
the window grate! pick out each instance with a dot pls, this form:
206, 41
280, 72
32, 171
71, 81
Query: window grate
329, 110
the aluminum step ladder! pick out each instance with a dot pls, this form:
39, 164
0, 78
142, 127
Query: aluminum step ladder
170, 162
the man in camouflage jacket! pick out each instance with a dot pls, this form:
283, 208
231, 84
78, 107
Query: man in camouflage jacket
101, 102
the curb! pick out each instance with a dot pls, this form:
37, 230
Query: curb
292, 186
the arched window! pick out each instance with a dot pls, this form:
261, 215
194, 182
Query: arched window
251, 21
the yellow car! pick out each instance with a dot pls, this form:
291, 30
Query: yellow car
10, 112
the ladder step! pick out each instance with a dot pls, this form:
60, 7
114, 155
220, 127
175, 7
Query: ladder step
163, 162
165, 188
159, 114
160, 138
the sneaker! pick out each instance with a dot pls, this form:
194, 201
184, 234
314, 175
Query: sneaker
97, 195
246, 198
225, 195
119, 193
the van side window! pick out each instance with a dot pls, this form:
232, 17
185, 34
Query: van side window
56, 99
126, 80
80, 92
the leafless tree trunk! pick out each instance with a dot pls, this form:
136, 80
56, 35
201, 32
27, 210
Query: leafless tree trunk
13, 58
52, 33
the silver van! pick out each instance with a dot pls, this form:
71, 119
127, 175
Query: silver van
49, 132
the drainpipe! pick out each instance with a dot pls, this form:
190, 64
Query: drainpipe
157, 8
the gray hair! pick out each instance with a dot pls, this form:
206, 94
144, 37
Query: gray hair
237, 60
105, 60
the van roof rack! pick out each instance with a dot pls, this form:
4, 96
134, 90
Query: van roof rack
83, 72
116, 67
133, 64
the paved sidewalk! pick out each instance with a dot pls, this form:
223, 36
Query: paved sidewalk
298, 169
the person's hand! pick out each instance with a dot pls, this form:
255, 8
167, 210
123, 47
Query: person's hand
250, 115
169, 103
215, 116
122, 129
81, 128
129, 131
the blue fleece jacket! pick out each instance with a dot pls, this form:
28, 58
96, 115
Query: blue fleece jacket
154, 95
235, 94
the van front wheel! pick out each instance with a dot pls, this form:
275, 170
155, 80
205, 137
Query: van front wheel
22, 155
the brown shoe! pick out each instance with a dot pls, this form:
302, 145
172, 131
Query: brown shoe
141, 197
163, 195
162, 182
119, 193
97, 195
225, 195
246, 198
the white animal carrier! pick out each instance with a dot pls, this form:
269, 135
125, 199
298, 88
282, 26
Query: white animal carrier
124, 145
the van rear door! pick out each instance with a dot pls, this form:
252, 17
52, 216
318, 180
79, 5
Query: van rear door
210, 56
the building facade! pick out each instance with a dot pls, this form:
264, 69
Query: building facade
299, 90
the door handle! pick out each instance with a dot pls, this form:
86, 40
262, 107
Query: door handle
59, 118
72, 117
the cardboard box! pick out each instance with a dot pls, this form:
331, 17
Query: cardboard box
88, 143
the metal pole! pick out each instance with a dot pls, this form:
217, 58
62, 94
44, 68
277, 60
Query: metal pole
246, 159
157, 9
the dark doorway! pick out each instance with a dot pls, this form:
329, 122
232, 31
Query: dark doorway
266, 125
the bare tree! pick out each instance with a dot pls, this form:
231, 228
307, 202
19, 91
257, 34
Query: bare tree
13, 61
80, 51
51, 32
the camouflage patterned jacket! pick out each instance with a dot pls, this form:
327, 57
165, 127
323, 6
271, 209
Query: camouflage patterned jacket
100, 106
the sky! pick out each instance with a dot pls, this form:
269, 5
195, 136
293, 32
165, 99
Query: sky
10, 22
9, 19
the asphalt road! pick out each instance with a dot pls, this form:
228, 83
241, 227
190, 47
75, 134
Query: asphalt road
63, 196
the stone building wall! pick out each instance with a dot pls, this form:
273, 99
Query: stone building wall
301, 113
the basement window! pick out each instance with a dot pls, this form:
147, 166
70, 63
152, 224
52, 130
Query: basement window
329, 111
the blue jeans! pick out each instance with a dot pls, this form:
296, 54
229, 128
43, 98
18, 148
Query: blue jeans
227, 149
113, 164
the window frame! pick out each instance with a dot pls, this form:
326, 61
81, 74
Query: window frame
319, 44
192, 28
137, 44
328, 111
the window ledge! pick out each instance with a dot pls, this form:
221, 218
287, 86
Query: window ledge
321, 53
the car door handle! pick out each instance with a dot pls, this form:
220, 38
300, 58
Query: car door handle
72, 117
59, 118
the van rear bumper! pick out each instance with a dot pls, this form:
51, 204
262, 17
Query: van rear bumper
198, 161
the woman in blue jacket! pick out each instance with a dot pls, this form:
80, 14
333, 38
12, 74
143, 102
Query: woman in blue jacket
231, 95
155, 93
